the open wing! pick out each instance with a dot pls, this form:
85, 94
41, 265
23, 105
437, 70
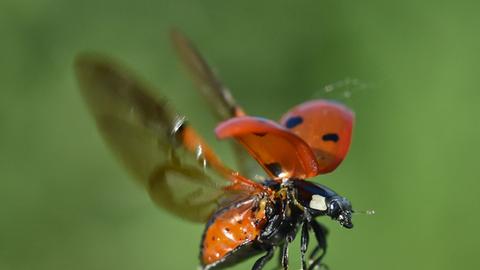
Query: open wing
221, 100
280, 152
326, 126
156, 144
218, 96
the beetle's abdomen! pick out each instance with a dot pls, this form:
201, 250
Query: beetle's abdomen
230, 228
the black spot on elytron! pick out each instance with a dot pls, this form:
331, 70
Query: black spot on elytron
239, 222
330, 137
227, 229
213, 238
275, 168
259, 134
293, 121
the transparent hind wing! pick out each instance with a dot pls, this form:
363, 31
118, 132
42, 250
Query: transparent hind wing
217, 95
181, 173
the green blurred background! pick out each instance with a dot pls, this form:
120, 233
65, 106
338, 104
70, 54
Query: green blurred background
67, 204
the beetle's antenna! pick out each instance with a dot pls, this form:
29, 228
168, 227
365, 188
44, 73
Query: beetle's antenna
341, 90
365, 212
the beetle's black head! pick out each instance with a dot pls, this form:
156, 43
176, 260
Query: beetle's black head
320, 201
340, 209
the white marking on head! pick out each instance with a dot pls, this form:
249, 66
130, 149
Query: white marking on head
318, 203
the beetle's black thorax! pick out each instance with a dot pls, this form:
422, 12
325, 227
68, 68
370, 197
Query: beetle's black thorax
284, 215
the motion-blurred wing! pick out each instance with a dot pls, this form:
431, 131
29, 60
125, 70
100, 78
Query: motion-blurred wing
326, 126
280, 152
211, 88
157, 146
223, 104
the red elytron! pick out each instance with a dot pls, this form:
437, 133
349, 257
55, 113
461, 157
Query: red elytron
184, 176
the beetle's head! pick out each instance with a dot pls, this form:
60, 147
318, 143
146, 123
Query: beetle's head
340, 209
322, 201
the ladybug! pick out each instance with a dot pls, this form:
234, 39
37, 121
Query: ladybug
184, 176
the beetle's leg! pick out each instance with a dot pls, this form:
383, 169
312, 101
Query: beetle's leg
260, 263
322, 243
284, 256
304, 244
321, 235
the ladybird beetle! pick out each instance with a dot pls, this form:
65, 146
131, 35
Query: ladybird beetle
184, 176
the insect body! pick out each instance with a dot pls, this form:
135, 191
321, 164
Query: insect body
261, 224
184, 176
